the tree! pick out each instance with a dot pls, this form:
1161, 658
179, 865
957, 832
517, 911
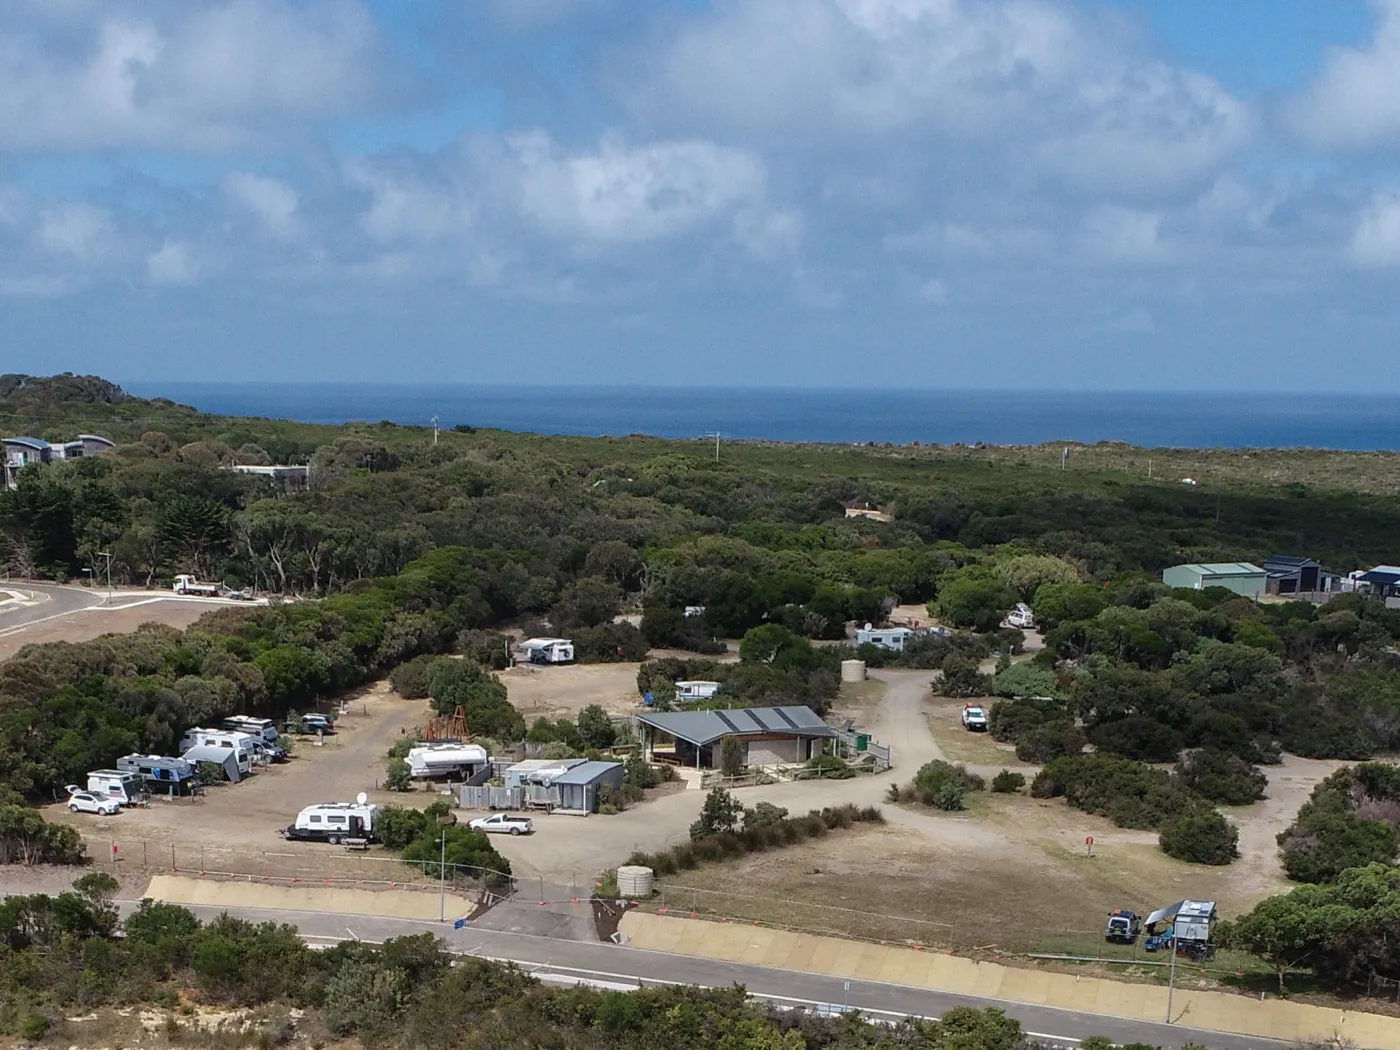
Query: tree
195, 529
777, 646
1027, 573
586, 603
1200, 835
596, 727
1057, 603
973, 600
482, 697
720, 813
733, 754
961, 678
1221, 777
1007, 782
1322, 846
1025, 679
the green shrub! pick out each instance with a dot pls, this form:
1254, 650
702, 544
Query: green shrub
830, 767
1200, 835
763, 813
410, 680
1143, 739
1221, 777
1044, 743
398, 776
961, 678
33, 1027
949, 798
1007, 783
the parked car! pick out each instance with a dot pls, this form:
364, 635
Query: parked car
87, 802
503, 822
318, 724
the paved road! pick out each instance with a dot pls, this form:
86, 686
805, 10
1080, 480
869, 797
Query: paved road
41, 602
606, 965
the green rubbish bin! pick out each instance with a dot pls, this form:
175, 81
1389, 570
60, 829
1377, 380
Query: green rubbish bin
862, 741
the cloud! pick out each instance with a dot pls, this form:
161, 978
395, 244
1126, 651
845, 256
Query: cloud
77, 230
1024, 76
184, 76
1376, 241
272, 202
37, 286
172, 263
1123, 234
1355, 100
623, 193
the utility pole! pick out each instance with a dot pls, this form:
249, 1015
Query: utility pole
108, 556
442, 890
435, 430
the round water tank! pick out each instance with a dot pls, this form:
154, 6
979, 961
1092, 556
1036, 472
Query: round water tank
634, 881
852, 670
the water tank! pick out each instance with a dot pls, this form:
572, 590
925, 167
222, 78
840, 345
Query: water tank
852, 670
634, 881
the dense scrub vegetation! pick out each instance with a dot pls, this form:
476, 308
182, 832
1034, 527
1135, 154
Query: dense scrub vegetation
1351, 820
59, 959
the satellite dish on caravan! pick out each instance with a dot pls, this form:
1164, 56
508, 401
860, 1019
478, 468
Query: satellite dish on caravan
867, 627
362, 798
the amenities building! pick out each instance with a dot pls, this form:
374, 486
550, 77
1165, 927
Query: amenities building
1238, 576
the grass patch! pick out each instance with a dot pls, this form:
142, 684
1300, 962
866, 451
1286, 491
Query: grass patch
973, 749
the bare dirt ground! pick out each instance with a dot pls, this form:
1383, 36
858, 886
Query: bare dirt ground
558, 692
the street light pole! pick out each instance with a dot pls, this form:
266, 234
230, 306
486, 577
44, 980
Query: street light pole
444, 823
108, 556
1171, 981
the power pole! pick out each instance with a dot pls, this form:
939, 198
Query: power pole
435, 430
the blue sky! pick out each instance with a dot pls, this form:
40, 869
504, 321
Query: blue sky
1132, 194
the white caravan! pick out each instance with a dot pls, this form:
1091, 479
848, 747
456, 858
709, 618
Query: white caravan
446, 760
335, 822
115, 784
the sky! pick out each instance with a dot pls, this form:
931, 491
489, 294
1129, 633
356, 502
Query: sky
1181, 195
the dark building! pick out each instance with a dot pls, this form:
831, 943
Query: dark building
1289, 575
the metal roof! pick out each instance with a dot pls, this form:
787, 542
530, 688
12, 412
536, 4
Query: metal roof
38, 443
705, 727
1224, 568
586, 772
1289, 561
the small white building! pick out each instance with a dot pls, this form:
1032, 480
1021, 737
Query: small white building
548, 650
690, 692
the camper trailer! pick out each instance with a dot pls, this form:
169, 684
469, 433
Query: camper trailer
335, 822
257, 749
690, 692
446, 760
548, 650
115, 784
263, 727
234, 762
158, 771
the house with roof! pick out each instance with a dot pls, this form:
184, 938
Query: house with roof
770, 735
20, 452
1242, 577
1382, 582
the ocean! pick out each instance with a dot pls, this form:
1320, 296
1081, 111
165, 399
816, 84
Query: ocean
943, 417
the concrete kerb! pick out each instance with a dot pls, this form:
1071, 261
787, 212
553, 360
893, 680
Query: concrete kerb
892, 964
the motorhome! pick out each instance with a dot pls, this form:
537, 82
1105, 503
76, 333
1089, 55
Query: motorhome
335, 822
263, 727
115, 784
158, 770
446, 760
1021, 617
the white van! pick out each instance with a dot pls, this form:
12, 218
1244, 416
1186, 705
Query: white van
115, 784
263, 727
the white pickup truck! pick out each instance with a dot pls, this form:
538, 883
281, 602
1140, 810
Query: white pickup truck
974, 719
503, 822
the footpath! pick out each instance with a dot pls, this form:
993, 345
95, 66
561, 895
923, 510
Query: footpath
898, 965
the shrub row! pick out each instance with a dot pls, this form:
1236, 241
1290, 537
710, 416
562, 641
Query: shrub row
755, 837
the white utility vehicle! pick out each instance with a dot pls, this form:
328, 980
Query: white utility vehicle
87, 802
503, 822
192, 585
974, 718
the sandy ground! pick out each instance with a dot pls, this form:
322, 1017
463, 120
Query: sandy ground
555, 692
